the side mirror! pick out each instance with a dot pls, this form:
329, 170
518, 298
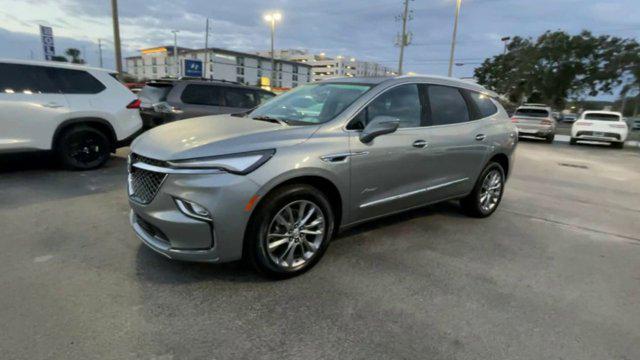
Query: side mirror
380, 125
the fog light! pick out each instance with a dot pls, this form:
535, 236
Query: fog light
193, 210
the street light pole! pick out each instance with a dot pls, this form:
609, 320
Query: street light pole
453, 39
116, 35
206, 49
100, 50
175, 51
271, 18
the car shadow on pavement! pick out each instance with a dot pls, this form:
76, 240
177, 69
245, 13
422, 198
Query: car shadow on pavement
40, 160
447, 208
155, 268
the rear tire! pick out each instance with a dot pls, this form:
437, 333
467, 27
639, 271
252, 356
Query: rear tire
83, 148
617, 145
549, 138
302, 243
487, 193
573, 141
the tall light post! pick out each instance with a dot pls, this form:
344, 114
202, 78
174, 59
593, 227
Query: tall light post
175, 51
272, 18
453, 39
116, 35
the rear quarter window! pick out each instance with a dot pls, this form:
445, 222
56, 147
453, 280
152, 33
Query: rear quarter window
484, 104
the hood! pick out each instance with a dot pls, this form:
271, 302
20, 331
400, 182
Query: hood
216, 135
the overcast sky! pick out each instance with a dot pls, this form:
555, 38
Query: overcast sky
365, 29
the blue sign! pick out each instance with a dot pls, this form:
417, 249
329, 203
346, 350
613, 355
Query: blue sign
193, 68
48, 49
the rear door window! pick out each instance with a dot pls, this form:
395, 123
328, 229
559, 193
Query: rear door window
198, 94
446, 105
26, 79
76, 81
541, 113
239, 98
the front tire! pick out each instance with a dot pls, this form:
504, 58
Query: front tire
487, 193
289, 231
83, 148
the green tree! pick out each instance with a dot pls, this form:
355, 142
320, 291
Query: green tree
74, 54
557, 66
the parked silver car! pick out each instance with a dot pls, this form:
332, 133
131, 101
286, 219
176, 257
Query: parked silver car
274, 186
535, 120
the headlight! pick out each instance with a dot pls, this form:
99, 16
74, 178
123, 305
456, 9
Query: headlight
242, 163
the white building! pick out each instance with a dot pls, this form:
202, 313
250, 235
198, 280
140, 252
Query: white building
222, 64
324, 67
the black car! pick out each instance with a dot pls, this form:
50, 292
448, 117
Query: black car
164, 101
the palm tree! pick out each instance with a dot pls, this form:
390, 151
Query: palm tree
74, 54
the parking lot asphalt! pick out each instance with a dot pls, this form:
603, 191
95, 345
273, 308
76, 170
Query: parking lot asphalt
553, 274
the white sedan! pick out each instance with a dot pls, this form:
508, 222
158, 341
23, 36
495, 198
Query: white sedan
602, 126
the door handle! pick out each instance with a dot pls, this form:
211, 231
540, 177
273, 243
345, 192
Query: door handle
480, 137
52, 105
420, 144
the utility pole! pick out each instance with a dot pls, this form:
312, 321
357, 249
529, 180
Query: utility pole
116, 35
404, 39
100, 51
206, 49
175, 51
453, 39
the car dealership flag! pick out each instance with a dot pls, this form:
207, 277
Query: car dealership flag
46, 35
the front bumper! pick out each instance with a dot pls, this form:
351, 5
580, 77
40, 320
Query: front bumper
164, 228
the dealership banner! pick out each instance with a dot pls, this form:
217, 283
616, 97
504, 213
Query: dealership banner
48, 49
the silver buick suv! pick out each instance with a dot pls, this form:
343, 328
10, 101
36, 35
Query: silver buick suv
275, 184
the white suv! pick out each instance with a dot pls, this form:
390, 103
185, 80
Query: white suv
82, 114
603, 126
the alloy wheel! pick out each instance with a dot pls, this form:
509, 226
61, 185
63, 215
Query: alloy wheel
491, 191
295, 234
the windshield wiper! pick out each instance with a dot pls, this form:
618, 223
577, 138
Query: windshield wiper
269, 119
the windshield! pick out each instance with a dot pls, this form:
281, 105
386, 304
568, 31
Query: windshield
532, 112
312, 104
602, 117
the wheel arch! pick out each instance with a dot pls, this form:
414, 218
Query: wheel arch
503, 160
94, 122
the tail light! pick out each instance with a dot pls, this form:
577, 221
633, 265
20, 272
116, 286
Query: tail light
135, 104
619, 126
583, 123
546, 122
514, 120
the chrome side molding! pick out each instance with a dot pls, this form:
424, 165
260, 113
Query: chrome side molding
411, 193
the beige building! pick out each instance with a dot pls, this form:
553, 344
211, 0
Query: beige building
325, 67
221, 64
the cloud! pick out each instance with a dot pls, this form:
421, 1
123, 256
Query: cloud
364, 29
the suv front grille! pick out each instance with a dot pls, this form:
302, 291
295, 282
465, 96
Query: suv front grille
144, 184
